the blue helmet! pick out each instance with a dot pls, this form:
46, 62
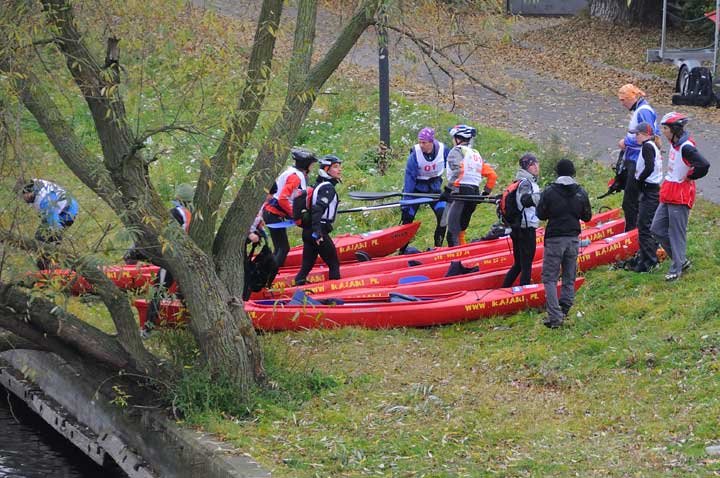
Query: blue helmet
328, 160
463, 131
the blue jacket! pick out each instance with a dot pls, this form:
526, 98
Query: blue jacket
639, 114
412, 184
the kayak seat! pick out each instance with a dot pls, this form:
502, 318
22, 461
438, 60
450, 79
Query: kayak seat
332, 301
362, 256
413, 263
411, 279
397, 297
410, 250
457, 269
301, 298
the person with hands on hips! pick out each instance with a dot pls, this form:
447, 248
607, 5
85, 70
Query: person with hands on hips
323, 204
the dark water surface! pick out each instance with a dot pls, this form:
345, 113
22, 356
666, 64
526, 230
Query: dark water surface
30, 448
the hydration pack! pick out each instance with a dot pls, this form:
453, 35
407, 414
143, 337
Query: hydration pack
507, 209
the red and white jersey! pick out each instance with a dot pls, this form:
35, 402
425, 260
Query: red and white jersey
430, 169
677, 188
282, 179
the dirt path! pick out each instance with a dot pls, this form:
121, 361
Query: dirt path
589, 124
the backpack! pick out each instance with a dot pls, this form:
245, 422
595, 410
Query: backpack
507, 209
699, 88
302, 205
260, 268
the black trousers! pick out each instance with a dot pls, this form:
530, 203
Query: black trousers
631, 197
279, 238
649, 201
408, 216
524, 244
311, 250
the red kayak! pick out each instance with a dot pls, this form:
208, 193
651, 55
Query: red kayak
389, 268
135, 276
612, 249
374, 243
394, 310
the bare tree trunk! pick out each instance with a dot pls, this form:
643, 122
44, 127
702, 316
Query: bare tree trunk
636, 12
615, 11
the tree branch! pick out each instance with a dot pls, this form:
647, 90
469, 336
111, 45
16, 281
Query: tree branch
429, 50
215, 177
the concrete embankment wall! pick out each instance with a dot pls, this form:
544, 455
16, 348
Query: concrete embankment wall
142, 442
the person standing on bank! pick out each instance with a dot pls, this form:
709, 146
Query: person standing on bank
523, 236
648, 176
323, 208
423, 174
677, 193
279, 207
563, 204
57, 209
466, 170
633, 98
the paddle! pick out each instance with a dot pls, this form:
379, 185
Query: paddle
371, 196
406, 202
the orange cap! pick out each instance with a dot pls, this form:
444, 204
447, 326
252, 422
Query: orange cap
630, 92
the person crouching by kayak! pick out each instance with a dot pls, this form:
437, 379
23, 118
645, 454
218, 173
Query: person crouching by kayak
424, 174
323, 208
57, 209
563, 204
280, 206
523, 237
466, 170
648, 176
677, 193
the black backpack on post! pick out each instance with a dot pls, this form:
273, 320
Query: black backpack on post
699, 88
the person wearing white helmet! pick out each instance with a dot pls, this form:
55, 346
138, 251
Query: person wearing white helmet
323, 204
677, 193
279, 207
466, 170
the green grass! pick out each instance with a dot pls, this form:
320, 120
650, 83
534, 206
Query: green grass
629, 388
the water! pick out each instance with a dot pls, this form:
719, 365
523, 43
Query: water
30, 448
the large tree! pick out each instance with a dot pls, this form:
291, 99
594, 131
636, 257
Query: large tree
639, 12
206, 263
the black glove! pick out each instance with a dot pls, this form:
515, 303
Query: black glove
445, 195
486, 191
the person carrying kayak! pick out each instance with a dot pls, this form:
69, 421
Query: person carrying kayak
466, 170
523, 236
677, 193
648, 175
316, 232
279, 207
633, 98
57, 210
424, 174
563, 204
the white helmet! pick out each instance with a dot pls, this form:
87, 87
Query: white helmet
463, 131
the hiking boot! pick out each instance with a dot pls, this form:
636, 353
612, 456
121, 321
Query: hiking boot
686, 265
672, 276
565, 309
552, 324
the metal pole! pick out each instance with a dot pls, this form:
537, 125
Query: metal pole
717, 37
384, 81
662, 37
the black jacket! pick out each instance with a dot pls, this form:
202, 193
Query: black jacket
563, 204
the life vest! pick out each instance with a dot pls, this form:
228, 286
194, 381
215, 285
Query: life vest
185, 216
656, 176
331, 209
430, 169
274, 203
632, 152
677, 188
470, 167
